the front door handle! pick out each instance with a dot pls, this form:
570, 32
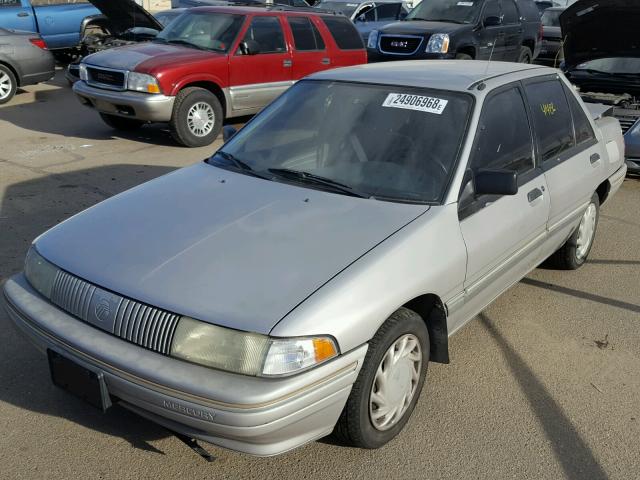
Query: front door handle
287, 63
534, 194
23, 14
326, 61
594, 158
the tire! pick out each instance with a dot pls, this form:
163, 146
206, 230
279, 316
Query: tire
356, 425
8, 84
463, 56
525, 55
121, 123
192, 104
573, 254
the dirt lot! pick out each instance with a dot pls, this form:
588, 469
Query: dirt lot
544, 384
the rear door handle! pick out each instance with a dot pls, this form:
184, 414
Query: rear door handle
287, 63
326, 61
534, 194
23, 14
594, 158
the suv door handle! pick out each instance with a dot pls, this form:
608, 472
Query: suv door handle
326, 61
534, 194
594, 158
287, 63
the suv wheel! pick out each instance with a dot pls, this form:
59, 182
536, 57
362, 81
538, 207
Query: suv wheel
525, 55
121, 123
8, 84
463, 56
573, 254
197, 117
389, 384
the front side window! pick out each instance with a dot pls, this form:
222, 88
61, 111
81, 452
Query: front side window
345, 8
389, 11
510, 12
305, 34
205, 31
491, 9
344, 33
501, 144
392, 143
265, 33
551, 117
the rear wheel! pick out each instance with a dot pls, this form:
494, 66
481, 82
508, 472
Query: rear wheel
525, 55
121, 123
197, 117
389, 384
8, 84
573, 254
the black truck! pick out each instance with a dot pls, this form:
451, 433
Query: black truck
505, 30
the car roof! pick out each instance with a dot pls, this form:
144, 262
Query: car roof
278, 9
454, 75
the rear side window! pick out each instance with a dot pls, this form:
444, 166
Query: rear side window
504, 145
305, 34
343, 32
582, 127
509, 12
267, 33
552, 118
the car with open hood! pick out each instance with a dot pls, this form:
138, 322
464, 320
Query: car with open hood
602, 59
300, 280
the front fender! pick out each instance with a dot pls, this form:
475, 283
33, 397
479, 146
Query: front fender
181, 82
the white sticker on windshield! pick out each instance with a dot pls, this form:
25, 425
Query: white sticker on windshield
415, 102
465, 4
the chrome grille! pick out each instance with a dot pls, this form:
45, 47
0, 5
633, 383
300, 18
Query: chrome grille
106, 78
135, 322
400, 44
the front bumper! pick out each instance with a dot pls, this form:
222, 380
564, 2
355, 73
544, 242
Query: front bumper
136, 105
259, 416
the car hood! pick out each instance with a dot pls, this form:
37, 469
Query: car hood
595, 29
126, 14
419, 27
144, 57
219, 246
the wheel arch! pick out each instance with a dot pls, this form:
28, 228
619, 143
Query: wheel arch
432, 310
603, 191
97, 20
13, 69
468, 49
212, 87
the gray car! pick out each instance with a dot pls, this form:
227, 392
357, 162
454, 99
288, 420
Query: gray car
300, 280
24, 60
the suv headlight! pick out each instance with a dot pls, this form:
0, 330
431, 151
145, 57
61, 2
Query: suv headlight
248, 353
39, 272
141, 82
372, 41
438, 43
83, 72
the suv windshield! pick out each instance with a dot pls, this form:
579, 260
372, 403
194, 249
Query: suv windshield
208, 31
346, 8
447, 11
551, 18
387, 142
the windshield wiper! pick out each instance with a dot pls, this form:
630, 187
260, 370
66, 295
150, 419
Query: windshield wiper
417, 19
186, 44
240, 165
318, 180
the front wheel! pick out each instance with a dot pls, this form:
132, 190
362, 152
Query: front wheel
197, 117
389, 384
8, 84
573, 254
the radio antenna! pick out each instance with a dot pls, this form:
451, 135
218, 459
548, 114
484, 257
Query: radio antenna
490, 57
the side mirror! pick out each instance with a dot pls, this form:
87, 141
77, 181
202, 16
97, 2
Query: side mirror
496, 182
492, 21
228, 131
249, 47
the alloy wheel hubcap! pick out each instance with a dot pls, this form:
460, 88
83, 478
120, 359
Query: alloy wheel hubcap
395, 383
586, 231
200, 119
5, 85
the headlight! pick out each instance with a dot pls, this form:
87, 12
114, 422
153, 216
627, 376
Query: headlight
83, 72
372, 41
438, 43
248, 353
141, 82
40, 273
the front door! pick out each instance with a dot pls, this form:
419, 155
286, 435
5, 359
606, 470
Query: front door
15, 16
503, 234
259, 75
491, 37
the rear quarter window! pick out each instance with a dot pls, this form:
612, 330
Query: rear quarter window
582, 127
344, 33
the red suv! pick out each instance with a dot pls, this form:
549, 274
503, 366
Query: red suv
213, 63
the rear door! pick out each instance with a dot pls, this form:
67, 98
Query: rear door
310, 52
568, 152
256, 79
503, 234
491, 38
17, 15
512, 28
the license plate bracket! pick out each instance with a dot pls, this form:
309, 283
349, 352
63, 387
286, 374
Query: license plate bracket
82, 382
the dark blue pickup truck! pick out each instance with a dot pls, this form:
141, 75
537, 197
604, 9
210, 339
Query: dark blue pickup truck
60, 22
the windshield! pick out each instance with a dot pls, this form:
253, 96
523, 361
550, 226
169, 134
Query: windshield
447, 11
551, 18
387, 142
613, 65
209, 31
345, 8
165, 17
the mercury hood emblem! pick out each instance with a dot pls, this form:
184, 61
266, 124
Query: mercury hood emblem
103, 310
